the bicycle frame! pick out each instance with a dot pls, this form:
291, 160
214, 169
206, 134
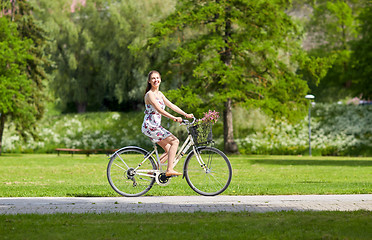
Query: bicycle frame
189, 142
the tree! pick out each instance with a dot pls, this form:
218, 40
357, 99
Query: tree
76, 70
239, 52
22, 69
332, 28
362, 58
128, 25
94, 67
36, 65
16, 90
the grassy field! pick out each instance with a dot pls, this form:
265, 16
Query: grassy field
276, 225
27, 175
30, 175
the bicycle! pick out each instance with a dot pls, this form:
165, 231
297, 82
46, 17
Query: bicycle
132, 171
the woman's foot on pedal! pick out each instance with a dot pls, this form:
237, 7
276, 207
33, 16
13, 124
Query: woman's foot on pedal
172, 173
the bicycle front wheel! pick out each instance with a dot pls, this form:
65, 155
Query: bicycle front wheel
123, 176
211, 174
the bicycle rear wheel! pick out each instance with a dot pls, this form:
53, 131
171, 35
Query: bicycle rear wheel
122, 176
214, 177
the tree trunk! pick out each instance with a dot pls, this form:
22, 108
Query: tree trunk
81, 107
2, 124
228, 133
230, 144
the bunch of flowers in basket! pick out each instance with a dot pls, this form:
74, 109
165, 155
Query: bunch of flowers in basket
201, 131
210, 117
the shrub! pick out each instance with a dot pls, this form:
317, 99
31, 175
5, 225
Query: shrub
110, 130
336, 130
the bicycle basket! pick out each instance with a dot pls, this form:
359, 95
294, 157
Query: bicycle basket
201, 133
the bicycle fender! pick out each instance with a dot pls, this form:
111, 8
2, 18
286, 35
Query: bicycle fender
129, 147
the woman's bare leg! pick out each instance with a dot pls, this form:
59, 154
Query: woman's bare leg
173, 146
164, 156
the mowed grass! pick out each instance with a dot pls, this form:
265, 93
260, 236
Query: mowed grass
31, 175
243, 225
52, 175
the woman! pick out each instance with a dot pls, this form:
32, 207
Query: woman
155, 103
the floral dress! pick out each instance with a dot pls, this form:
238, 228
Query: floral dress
151, 126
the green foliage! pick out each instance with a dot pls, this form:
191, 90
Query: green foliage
336, 130
315, 68
15, 88
18, 92
238, 52
332, 28
185, 96
245, 51
285, 99
335, 24
95, 69
361, 57
39, 61
248, 121
76, 73
22, 65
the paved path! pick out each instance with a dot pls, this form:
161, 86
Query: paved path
50, 205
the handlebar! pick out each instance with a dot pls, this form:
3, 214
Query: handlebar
187, 122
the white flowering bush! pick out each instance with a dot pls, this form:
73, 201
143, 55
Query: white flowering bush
335, 130
279, 137
110, 130
348, 128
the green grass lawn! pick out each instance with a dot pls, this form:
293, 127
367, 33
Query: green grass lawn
243, 225
31, 175
27, 175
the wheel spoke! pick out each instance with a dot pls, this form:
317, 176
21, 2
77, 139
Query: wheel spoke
120, 167
216, 179
121, 159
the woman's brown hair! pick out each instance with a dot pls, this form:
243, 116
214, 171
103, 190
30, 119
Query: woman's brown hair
148, 80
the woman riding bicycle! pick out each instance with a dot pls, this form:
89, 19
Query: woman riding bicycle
155, 103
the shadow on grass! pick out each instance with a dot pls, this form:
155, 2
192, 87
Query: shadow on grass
355, 163
85, 195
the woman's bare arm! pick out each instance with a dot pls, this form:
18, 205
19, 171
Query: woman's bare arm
151, 99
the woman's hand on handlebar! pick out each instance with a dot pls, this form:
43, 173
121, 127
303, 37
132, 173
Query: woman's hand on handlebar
189, 115
178, 119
